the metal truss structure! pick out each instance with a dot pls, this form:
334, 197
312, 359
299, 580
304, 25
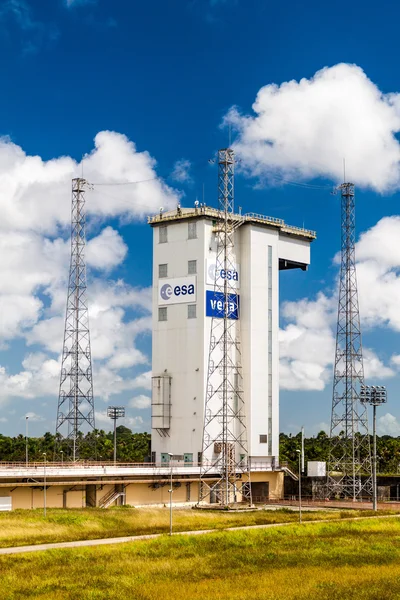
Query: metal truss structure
225, 468
75, 401
349, 465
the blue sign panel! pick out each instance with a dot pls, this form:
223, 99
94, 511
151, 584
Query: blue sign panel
215, 305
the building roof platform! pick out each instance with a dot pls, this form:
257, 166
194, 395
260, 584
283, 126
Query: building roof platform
20, 474
207, 212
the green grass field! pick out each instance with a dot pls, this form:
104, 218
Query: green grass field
22, 527
329, 561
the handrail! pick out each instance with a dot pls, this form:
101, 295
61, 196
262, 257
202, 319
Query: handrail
252, 215
302, 230
209, 211
67, 466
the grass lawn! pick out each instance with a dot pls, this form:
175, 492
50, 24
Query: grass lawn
314, 561
24, 527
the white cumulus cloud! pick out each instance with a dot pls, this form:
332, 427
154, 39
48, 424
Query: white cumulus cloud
107, 250
388, 425
304, 129
181, 171
35, 202
307, 340
140, 402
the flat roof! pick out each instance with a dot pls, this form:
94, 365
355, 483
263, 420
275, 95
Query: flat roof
181, 214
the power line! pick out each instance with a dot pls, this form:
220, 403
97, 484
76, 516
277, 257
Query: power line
125, 182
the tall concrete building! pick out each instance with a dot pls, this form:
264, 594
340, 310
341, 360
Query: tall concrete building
184, 303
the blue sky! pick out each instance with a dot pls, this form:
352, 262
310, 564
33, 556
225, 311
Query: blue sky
139, 91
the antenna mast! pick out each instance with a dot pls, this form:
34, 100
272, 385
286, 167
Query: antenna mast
75, 401
225, 468
350, 455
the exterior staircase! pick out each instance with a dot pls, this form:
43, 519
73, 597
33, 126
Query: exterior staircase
111, 497
286, 469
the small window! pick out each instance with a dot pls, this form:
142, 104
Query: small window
192, 230
163, 270
192, 267
191, 311
263, 438
188, 458
165, 458
163, 235
162, 313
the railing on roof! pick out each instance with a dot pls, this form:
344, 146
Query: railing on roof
302, 230
252, 215
65, 466
210, 211
280, 222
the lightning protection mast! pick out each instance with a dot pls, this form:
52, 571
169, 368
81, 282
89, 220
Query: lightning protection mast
349, 465
225, 468
75, 401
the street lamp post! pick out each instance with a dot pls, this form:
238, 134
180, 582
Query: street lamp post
26, 440
115, 412
300, 458
62, 458
44, 489
170, 493
374, 395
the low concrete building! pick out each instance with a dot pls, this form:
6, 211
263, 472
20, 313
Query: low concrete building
94, 484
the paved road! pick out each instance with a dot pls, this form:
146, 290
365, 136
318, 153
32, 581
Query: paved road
137, 538
123, 540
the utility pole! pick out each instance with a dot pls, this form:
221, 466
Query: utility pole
115, 412
171, 456
350, 455
225, 448
75, 400
44, 486
300, 455
26, 440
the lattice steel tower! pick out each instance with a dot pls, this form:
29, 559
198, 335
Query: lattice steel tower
349, 456
75, 401
225, 468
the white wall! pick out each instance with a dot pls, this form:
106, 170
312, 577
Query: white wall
255, 336
178, 343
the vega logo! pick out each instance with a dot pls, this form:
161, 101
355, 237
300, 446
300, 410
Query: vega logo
177, 291
215, 305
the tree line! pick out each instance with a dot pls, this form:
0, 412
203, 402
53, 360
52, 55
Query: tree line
136, 447
95, 445
317, 448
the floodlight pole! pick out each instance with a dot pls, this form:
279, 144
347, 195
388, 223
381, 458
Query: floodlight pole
115, 412
374, 395
115, 441
374, 486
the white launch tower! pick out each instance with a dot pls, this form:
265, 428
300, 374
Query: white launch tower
184, 259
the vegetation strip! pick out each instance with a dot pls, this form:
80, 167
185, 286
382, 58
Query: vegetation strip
331, 560
136, 538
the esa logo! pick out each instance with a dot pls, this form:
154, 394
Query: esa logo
228, 274
177, 291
